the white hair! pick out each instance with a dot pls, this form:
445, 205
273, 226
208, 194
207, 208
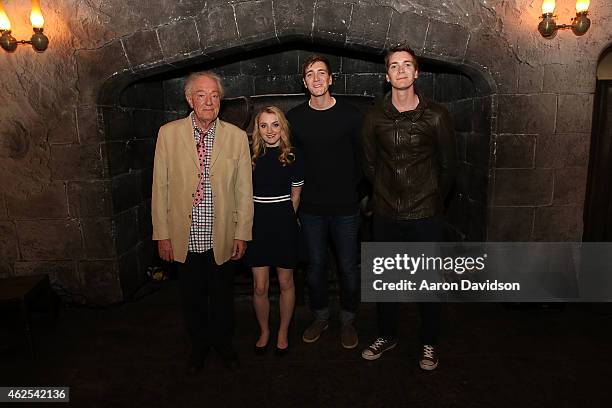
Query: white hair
202, 74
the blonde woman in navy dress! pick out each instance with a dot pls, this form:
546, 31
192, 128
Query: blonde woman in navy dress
277, 184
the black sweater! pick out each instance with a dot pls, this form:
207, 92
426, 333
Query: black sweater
329, 142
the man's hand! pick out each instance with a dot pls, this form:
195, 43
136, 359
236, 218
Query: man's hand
239, 248
164, 247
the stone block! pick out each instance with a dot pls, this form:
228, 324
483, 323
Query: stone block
477, 185
530, 79
255, 20
570, 77
143, 152
234, 68
570, 186
49, 239
236, 111
98, 238
293, 18
331, 21
424, 85
369, 26
335, 61
89, 199
508, 224
461, 139
562, 150
526, 113
272, 84
217, 28
77, 162
129, 274
8, 242
449, 40
482, 118
558, 224
179, 40
118, 158
468, 87
61, 273
174, 94
478, 149
3, 208
462, 112
143, 95
475, 228
447, 87
146, 257
145, 227
338, 85
142, 48
283, 63
239, 86
51, 202
361, 66
146, 183
515, 151
118, 124
126, 191
95, 66
365, 84
90, 124
100, 282
408, 27
494, 54
62, 128
574, 113
147, 124
126, 230
520, 187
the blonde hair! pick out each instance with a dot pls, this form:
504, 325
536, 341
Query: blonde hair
259, 145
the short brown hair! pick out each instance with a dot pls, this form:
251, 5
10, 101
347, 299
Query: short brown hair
403, 46
311, 59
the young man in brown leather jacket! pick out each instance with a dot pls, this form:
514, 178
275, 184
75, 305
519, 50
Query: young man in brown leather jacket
409, 151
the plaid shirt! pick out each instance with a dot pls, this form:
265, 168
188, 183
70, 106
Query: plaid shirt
202, 215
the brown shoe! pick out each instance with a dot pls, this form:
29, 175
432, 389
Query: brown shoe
348, 337
313, 332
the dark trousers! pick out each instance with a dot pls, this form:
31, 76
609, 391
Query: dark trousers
344, 232
207, 299
429, 229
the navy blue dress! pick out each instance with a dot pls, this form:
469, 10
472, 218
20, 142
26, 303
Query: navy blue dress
275, 229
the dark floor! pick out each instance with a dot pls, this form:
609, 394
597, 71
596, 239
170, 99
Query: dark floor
491, 356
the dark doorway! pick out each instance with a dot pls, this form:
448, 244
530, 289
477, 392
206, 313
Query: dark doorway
598, 204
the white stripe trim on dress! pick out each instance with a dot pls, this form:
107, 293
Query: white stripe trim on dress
277, 199
297, 183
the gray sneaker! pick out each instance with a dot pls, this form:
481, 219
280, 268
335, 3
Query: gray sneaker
349, 337
313, 332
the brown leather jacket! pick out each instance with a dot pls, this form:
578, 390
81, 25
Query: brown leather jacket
410, 158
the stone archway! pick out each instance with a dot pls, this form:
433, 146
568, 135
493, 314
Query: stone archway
230, 30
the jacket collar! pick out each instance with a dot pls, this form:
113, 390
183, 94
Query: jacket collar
392, 113
190, 144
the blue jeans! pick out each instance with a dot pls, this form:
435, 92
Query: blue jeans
344, 232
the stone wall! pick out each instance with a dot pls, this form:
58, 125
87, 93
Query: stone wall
57, 212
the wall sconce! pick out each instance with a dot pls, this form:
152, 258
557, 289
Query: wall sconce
39, 41
580, 24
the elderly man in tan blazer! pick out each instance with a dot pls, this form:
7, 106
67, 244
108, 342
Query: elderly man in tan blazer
202, 209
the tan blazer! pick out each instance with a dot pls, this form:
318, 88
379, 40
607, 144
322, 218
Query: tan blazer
175, 180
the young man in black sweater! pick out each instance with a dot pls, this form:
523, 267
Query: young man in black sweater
327, 133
